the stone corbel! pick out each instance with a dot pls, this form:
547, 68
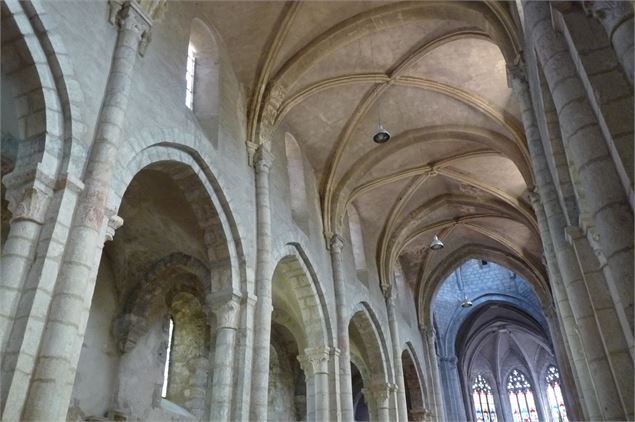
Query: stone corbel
336, 243
114, 222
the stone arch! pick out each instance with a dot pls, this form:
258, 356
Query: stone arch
297, 183
415, 388
427, 291
371, 342
191, 172
293, 277
51, 99
206, 101
133, 323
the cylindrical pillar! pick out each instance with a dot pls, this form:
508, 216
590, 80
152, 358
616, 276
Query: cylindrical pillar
453, 397
262, 335
52, 385
377, 395
617, 19
314, 363
590, 159
599, 362
222, 386
436, 400
402, 407
346, 388
28, 214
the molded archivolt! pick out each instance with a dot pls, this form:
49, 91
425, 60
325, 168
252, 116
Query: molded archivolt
370, 344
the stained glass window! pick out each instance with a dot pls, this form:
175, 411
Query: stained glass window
189, 77
554, 395
483, 400
521, 397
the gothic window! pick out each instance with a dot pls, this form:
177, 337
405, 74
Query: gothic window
521, 397
554, 395
166, 368
189, 76
483, 400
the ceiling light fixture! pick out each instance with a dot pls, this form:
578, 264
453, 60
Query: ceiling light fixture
436, 243
381, 136
467, 303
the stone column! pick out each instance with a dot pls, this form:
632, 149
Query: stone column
346, 388
245, 350
436, 396
617, 19
28, 206
224, 359
576, 290
587, 151
402, 407
314, 363
453, 396
53, 380
262, 338
377, 395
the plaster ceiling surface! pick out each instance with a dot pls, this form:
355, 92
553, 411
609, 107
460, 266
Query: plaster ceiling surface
435, 72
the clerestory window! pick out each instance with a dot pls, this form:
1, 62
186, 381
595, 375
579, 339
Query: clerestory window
189, 77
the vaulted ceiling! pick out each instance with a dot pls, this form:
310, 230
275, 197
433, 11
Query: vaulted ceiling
457, 164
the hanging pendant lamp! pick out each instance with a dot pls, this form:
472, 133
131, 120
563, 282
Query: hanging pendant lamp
436, 244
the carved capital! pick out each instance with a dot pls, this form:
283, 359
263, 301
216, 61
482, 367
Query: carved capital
610, 13
137, 17
516, 72
336, 243
114, 222
379, 391
315, 360
263, 159
534, 197
549, 310
29, 204
227, 313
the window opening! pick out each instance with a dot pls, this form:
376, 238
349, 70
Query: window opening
483, 400
554, 395
521, 398
164, 390
189, 77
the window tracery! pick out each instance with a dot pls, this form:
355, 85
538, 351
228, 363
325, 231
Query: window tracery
554, 395
483, 400
521, 397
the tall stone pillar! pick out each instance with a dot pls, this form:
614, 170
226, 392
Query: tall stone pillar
617, 19
346, 388
224, 359
53, 380
402, 407
377, 395
262, 337
453, 396
28, 205
605, 387
436, 397
603, 194
314, 363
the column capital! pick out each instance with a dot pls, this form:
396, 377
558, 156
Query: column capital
516, 71
449, 360
611, 12
315, 360
225, 305
336, 243
137, 17
427, 331
549, 310
28, 195
263, 158
114, 222
379, 390
534, 197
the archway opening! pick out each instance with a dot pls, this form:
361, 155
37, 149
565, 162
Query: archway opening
414, 390
163, 265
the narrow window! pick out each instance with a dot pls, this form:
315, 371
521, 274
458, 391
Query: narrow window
554, 395
164, 390
189, 77
521, 398
483, 400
